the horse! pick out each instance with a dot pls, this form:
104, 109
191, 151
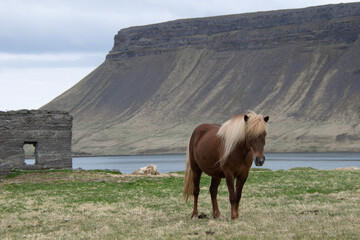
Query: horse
224, 151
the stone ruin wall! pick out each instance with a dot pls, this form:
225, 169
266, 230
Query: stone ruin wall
49, 132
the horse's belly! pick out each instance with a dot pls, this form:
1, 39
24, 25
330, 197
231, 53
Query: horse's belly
218, 174
210, 166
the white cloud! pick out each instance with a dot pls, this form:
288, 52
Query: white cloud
16, 60
31, 88
47, 57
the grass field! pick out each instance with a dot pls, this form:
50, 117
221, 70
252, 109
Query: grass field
72, 204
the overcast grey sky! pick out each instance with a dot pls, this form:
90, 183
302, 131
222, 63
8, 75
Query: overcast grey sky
47, 46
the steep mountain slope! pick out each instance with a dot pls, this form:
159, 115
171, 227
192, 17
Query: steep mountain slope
159, 81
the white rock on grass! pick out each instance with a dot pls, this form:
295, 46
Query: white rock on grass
149, 170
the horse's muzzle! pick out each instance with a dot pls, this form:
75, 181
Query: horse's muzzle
259, 161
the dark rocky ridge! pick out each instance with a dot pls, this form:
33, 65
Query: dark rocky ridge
159, 81
325, 24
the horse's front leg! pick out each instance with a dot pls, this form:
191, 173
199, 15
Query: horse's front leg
232, 196
240, 181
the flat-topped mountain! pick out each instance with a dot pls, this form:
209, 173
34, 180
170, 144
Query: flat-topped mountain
159, 81
326, 24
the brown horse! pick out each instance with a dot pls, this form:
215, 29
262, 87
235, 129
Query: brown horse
224, 151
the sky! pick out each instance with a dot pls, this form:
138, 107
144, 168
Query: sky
47, 46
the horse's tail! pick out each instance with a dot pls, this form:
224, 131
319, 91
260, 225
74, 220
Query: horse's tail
188, 179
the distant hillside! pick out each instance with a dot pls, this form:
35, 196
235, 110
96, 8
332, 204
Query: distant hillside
159, 81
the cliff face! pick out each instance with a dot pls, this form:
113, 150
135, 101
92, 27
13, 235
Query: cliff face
159, 81
326, 25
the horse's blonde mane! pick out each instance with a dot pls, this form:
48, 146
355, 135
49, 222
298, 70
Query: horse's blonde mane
235, 131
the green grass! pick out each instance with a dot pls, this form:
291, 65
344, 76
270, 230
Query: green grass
294, 204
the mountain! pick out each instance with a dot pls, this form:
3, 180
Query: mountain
159, 81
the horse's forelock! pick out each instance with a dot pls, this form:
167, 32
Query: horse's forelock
256, 125
236, 130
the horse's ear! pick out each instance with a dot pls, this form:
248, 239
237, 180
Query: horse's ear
246, 118
266, 118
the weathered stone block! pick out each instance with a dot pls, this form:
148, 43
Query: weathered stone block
50, 132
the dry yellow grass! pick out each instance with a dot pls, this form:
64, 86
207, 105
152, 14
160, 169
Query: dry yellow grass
296, 204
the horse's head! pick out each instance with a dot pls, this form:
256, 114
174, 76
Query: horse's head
256, 138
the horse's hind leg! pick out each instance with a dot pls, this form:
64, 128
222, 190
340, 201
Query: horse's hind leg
196, 179
215, 182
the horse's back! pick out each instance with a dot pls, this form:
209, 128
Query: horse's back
205, 146
205, 130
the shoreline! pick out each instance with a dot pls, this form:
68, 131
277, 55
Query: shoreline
174, 154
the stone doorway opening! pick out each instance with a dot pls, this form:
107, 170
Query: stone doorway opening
30, 153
